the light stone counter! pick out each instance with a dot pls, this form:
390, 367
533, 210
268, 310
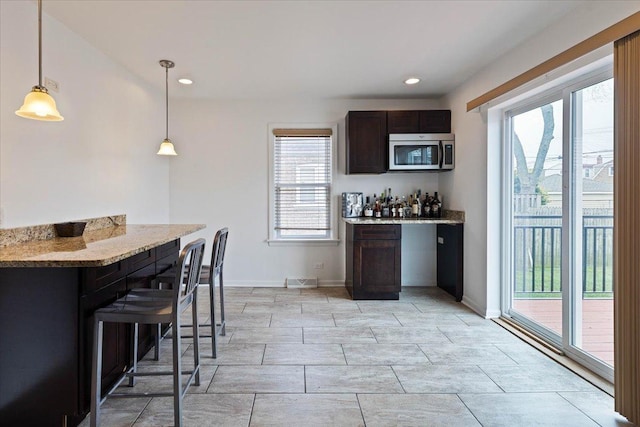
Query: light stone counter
94, 248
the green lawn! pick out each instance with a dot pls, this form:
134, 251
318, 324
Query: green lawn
536, 290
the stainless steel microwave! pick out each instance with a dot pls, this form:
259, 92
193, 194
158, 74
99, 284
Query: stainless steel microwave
421, 151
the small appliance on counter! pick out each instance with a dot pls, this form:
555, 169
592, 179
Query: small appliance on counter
352, 205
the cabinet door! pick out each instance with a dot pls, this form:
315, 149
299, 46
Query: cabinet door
366, 142
403, 121
376, 269
167, 256
450, 262
435, 121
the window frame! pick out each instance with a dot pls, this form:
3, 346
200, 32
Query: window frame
332, 236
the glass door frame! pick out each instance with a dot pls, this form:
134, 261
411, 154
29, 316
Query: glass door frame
571, 222
572, 217
532, 103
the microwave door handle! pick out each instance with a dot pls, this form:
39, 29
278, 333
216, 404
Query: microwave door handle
441, 154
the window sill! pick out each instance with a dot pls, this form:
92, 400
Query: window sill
303, 242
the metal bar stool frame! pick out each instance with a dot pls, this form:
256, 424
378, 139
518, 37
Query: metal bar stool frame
153, 310
207, 276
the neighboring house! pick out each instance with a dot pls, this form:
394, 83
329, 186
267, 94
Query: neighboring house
597, 190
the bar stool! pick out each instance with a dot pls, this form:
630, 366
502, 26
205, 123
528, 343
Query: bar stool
153, 309
208, 276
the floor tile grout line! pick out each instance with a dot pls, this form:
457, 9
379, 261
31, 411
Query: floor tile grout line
468, 409
571, 403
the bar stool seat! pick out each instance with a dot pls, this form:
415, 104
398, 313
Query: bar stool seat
157, 306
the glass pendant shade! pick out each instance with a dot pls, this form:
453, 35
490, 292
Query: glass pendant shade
39, 105
166, 149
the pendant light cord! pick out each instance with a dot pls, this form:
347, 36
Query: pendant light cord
40, 43
166, 81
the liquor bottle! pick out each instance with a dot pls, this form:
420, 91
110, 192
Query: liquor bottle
426, 206
377, 209
436, 206
407, 207
399, 209
419, 204
415, 208
385, 206
393, 208
368, 210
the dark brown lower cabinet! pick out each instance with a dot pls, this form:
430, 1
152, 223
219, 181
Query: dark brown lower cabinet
373, 261
450, 255
46, 336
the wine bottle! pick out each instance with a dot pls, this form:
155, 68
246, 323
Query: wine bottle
426, 206
415, 208
435, 206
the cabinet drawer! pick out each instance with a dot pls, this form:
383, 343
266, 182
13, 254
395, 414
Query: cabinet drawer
142, 259
377, 232
98, 277
168, 249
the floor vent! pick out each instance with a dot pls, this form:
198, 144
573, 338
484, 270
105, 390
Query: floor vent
302, 283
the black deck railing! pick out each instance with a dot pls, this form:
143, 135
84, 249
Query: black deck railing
537, 256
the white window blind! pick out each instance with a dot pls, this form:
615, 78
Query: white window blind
302, 170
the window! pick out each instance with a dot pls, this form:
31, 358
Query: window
301, 176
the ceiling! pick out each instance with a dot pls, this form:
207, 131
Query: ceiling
307, 49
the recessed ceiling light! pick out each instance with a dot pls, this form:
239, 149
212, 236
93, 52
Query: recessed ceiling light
185, 81
411, 81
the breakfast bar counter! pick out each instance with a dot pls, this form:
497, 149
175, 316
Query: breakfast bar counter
49, 289
95, 248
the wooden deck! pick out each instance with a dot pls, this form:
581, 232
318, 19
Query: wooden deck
597, 322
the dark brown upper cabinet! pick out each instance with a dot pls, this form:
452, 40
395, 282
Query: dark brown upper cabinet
419, 121
366, 144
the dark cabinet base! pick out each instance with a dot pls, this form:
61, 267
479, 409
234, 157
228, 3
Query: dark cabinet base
46, 335
373, 261
38, 345
450, 255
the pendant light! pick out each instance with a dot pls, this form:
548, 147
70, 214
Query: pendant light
38, 104
166, 148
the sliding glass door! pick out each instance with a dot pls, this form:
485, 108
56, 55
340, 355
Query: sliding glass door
537, 195
559, 284
591, 218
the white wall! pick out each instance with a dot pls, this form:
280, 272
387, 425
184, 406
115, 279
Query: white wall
472, 185
223, 166
101, 159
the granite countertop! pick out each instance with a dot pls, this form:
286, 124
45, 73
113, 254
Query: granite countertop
422, 221
448, 217
94, 248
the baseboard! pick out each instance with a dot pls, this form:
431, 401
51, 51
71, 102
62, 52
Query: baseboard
255, 283
278, 283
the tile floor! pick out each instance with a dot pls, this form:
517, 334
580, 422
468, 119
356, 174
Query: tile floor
313, 357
